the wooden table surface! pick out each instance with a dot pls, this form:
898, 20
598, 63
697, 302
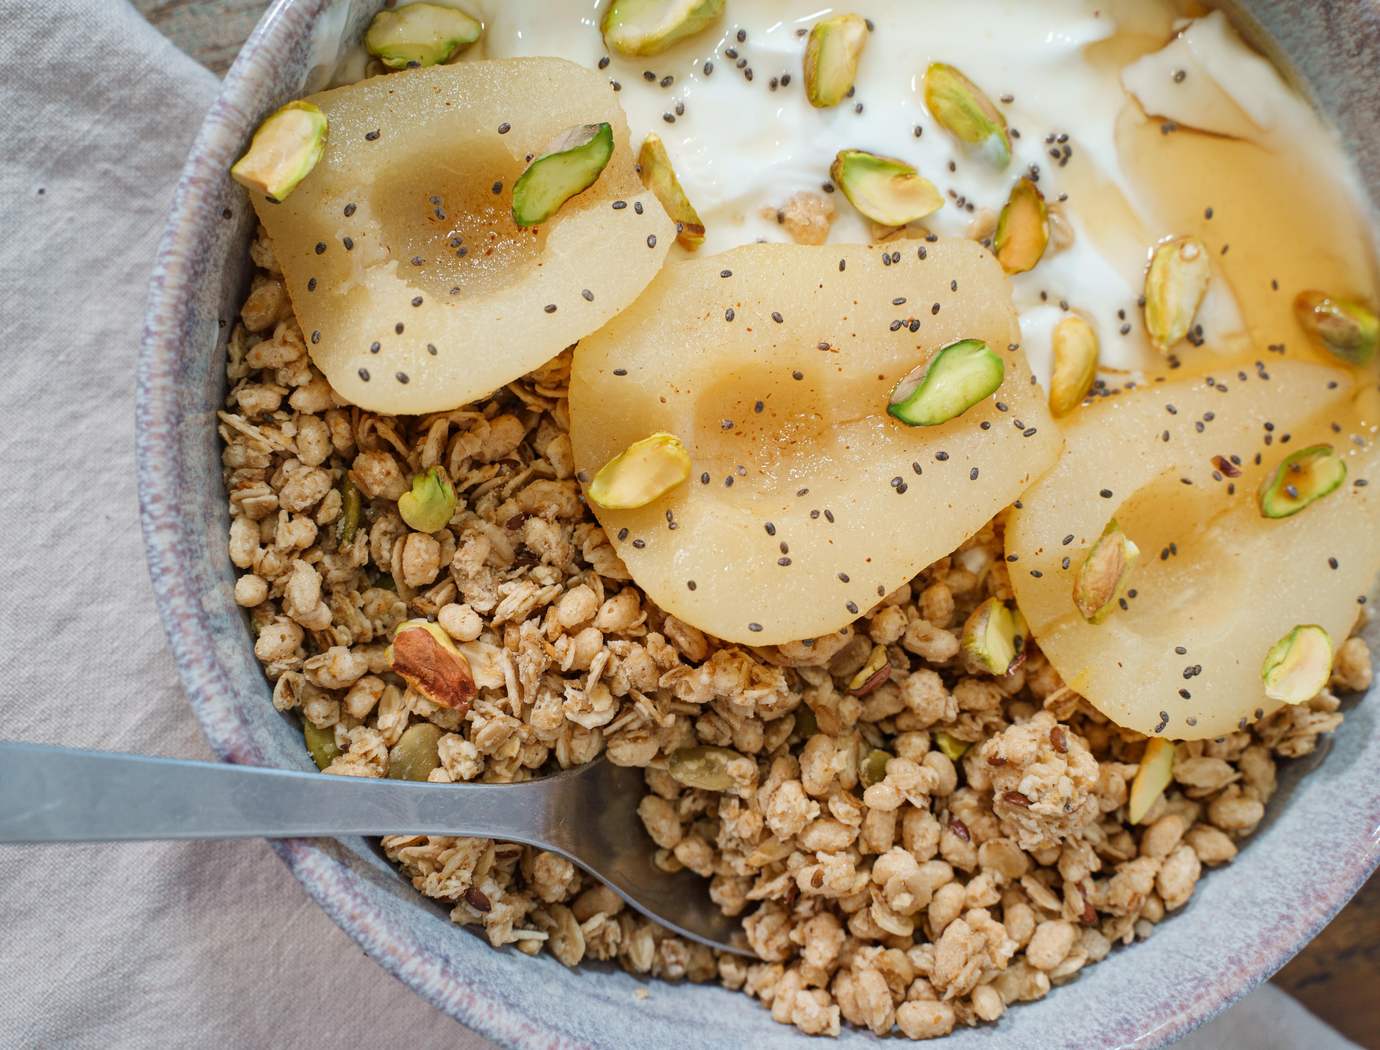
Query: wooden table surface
1337, 976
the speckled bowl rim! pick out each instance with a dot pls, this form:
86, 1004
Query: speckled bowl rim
330, 882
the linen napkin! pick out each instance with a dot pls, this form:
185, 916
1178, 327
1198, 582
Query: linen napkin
155, 944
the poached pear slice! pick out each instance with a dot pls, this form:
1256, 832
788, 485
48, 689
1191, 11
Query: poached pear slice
419, 34
773, 364
414, 286
649, 27
1217, 584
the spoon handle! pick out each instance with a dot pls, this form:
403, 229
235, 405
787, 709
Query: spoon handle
58, 794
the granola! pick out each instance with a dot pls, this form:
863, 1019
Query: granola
934, 896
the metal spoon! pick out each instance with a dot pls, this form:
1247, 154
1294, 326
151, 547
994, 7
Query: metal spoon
588, 815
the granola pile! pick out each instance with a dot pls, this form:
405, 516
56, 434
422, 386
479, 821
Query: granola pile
985, 858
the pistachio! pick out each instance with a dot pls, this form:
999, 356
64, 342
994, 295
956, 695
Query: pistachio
806, 724
321, 744
1105, 573
703, 767
1298, 666
885, 190
962, 109
658, 176
872, 767
1075, 364
994, 637
951, 382
1175, 285
645, 471
1022, 228
1300, 479
952, 748
415, 754
648, 27
284, 149
569, 166
874, 673
430, 504
1156, 766
425, 657
831, 58
351, 506
419, 34
1347, 330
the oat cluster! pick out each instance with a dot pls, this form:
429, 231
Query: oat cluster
934, 895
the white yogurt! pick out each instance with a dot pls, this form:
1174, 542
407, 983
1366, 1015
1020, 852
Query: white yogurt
739, 147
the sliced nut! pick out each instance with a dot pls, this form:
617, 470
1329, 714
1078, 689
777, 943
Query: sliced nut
1347, 330
284, 150
872, 767
321, 744
569, 166
1075, 364
994, 637
646, 471
1298, 666
1156, 767
430, 504
351, 507
416, 753
954, 380
1300, 479
1022, 228
884, 189
703, 767
951, 746
419, 34
425, 657
962, 109
648, 27
831, 58
1175, 285
654, 165
872, 674
1105, 573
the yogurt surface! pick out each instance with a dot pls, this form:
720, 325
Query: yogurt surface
1069, 75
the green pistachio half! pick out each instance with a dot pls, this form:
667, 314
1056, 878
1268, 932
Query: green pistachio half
1347, 330
1300, 479
1153, 776
1175, 284
419, 35
872, 767
648, 27
321, 744
1298, 666
703, 767
430, 504
351, 508
570, 165
831, 58
654, 165
284, 149
964, 111
951, 746
1105, 574
1022, 228
415, 754
886, 190
951, 382
645, 471
994, 637
1075, 364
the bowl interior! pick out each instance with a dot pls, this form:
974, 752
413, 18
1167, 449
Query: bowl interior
1314, 849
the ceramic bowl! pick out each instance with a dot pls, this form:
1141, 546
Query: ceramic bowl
1317, 845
